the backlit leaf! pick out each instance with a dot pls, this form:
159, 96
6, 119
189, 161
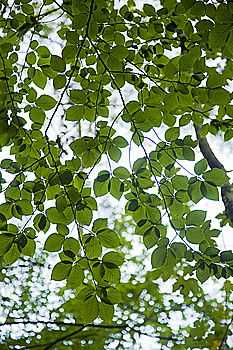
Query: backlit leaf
61, 270
158, 256
46, 102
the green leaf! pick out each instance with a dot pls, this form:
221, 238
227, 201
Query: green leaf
71, 244
114, 153
6, 241
74, 164
99, 224
66, 177
114, 258
158, 256
219, 96
188, 153
116, 188
62, 229
89, 309
203, 273
218, 35
201, 166
40, 79
46, 102
90, 158
198, 9
54, 216
113, 295
21, 241
185, 120
179, 249
3, 223
92, 246
108, 238
170, 70
61, 203
37, 115
106, 312
150, 237
153, 214
121, 172
194, 235
120, 141
204, 130
140, 163
101, 183
149, 9
29, 249
132, 205
226, 256
74, 113
85, 293
12, 254
54, 242
180, 182
103, 176
111, 273
194, 191
185, 63
31, 58
80, 21
59, 81
57, 63
196, 218
12, 192
172, 134
119, 52
209, 191
43, 51
79, 146
228, 135
215, 80
6, 210
78, 96
187, 3
42, 222
25, 206
84, 215
61, 270
216, 176
76, 277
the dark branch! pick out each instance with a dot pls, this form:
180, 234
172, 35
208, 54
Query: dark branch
82, 325
61, 323
207, 151
225, 334
226, 189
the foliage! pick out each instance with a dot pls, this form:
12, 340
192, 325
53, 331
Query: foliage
99, 100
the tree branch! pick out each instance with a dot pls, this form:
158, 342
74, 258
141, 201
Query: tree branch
207, 151
61, 323
226, 189
225, 334
63, 338
82, 325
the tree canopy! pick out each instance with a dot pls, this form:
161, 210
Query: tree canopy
106, 174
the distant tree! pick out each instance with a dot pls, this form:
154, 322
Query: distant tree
103, 100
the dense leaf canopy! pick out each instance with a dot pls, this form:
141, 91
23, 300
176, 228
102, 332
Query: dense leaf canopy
103, 108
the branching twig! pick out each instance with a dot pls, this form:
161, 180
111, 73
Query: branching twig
67, 336
61, 323
225, 333
226, 189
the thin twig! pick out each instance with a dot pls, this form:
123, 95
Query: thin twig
225, 334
